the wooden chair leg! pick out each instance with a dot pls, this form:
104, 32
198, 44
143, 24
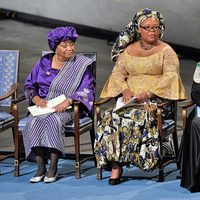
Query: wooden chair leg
161, 169
77, 153
16, 171
16, 151
99, 173
176, 149
92, 137
161, 175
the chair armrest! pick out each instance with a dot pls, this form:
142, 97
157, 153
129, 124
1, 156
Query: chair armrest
76, 102
187, 104
103, 101
76, 117
159, 118
76, 106
165, 103
12, 90
19, 99
76, 109
184, 107
97, 106
159, 113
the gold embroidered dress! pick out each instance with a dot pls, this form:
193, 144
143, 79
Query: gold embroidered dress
131, 135
158, 73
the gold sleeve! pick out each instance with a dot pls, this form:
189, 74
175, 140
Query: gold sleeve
135, 73
117, 82
170, 85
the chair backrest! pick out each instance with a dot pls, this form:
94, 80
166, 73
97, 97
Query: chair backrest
45, 52
92, 56
9, 66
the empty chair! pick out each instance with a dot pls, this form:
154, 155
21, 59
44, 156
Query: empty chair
9, 66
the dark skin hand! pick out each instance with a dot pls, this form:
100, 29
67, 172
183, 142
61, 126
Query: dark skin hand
39, 102
128, 94
61, 107
142, 97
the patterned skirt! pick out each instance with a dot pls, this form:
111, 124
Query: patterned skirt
127, 136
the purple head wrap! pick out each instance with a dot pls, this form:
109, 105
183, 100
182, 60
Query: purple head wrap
59, 34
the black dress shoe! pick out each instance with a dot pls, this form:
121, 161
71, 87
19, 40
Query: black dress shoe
108, 167
116, 181
178, 176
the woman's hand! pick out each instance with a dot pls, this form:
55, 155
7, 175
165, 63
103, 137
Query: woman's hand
61, 107
127, 95
143, 97
39, 102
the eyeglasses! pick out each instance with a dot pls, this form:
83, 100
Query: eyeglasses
149, 28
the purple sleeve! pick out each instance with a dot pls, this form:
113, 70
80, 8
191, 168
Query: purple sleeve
40, 78
85, 92
30, 86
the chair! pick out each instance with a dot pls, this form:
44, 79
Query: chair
9, 66
74, 128
185, 107
166, 128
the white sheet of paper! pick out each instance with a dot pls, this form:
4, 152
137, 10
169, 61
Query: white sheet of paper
35, 111
120, 103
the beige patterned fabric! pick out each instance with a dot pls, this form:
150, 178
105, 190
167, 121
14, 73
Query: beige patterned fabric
157, 73
128, 136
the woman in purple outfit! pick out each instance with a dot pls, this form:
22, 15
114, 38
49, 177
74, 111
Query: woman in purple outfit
57, 73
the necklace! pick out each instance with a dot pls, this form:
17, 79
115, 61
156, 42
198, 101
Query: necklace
146, 48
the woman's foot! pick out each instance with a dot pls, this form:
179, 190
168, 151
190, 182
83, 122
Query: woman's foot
116, 173
51, 172
39, 176
40, 172
51, 179
39, 156
37, 179
51, 175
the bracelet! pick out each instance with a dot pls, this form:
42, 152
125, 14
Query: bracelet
148, 94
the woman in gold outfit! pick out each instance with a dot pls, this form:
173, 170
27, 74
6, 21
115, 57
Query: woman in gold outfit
147, 69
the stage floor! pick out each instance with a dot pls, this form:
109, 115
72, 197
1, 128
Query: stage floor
31, 40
